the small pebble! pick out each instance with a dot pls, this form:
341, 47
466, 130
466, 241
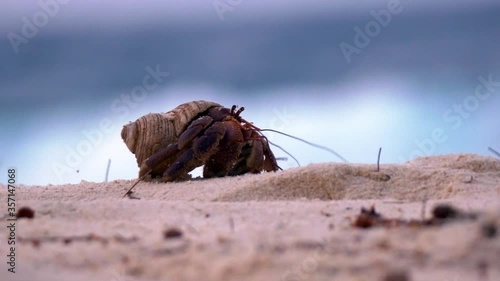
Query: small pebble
489, 230
172, 233
25, 212
445, 212
397, 276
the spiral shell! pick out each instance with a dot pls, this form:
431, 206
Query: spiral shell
153, 131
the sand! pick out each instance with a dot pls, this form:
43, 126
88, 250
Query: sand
289, 225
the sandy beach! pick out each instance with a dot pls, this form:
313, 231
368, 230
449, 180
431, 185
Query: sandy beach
295, 224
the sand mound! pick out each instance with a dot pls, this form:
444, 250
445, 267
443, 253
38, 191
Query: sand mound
436, 177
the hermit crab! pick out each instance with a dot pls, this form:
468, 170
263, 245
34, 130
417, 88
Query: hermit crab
198, 133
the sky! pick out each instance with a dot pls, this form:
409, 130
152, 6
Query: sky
416, 78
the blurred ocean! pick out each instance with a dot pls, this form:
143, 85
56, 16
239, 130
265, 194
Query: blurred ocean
418, 87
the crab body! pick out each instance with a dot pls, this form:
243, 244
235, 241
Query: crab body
198, 133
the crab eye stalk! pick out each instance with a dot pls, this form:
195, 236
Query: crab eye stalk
240, 110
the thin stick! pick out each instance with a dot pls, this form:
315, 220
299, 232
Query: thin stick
284, 151
494, 151
107, 170
138, 180
378, 159
424, 206
309, 143
231, 224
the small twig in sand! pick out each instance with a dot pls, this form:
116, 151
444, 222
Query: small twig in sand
107, 170
441, 214
378, 159
36, 241
131, 196
494, 151
424, 206
282, 149
138, 180
326, 214
394, 202
231, 223
281, 158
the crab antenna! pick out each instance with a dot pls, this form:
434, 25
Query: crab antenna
494, 151
282, 149
309, 143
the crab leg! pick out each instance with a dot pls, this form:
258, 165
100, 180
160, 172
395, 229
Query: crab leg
193, 130
221, 162
203, 148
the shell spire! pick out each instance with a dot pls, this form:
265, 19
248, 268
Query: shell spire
153, 131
